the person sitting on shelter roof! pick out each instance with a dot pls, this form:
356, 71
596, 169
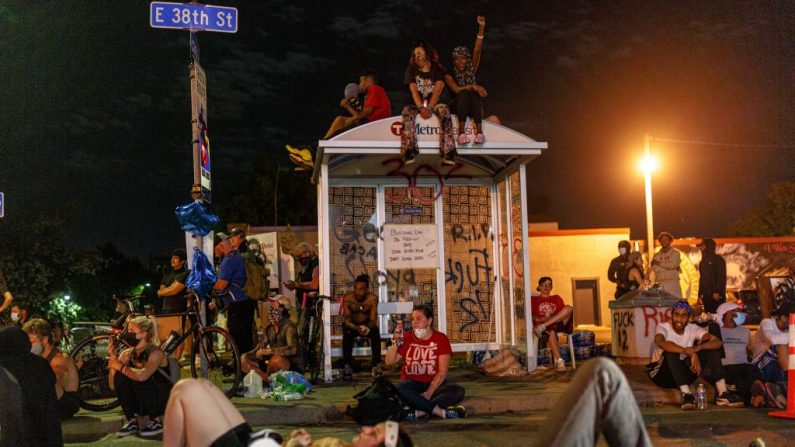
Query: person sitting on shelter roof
375, 106
550, 317
425, 78
684, 352
469, 95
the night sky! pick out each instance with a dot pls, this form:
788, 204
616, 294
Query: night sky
95, 112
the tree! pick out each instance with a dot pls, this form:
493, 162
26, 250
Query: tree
776, 217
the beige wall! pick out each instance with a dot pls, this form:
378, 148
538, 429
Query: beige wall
564, 255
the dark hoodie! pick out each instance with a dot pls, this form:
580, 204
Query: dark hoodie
712, 271
42, 421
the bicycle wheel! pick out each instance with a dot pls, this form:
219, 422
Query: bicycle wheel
91, 360
223, 359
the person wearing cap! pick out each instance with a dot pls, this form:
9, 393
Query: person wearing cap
770, 354
232, 278
279, 348
737, 346
619, 268
711, 277
685, 352
665, 265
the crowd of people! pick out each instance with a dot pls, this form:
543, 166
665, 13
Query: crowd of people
426, 79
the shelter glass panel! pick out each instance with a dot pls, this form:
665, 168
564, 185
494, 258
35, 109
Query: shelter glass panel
411, 205
517, 261
505, 247
469, 264
353, 246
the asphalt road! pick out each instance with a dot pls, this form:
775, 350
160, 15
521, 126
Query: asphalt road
668, 426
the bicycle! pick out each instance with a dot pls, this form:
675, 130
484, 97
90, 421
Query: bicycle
214, 356
312, 339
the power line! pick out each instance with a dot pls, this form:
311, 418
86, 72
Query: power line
713, 143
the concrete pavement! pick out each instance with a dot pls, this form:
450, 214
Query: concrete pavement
327, 402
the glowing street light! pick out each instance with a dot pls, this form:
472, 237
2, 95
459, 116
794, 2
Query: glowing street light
648, 165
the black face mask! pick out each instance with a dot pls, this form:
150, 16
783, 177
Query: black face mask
131, 338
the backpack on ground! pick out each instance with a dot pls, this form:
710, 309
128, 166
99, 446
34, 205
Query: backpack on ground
256, 286
377, 403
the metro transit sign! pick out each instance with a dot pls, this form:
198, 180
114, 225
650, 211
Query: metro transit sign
192, 16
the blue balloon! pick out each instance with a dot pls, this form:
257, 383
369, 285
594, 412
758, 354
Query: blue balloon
195, 218
202, 276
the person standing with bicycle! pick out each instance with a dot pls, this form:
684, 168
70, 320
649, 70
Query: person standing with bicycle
308, 281
172, 290
279, 349
140, 378
231, 278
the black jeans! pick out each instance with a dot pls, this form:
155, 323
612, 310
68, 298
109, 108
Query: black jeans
348, 336
742, 376
146, 398
240, 322
672, 372
468, 103
446, 395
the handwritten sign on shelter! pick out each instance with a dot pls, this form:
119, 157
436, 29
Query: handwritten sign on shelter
411, 246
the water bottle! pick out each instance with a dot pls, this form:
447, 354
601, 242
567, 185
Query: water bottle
172, 337
253, 384
701, 397
399, 333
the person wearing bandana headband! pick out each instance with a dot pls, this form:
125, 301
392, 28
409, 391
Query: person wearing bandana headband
140, 377
685, 352
278, 349
426, 360
469, 95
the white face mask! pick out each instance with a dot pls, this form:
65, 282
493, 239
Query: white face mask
14, 316
622, 250
421, 333
36, 349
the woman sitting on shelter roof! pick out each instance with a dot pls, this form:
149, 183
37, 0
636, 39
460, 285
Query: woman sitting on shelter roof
469, 95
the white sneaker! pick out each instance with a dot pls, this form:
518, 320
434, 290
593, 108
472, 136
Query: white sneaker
560, 365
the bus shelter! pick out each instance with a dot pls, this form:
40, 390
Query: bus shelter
452, 236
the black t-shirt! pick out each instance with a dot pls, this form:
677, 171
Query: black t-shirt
305, 275
175, 303
425, 80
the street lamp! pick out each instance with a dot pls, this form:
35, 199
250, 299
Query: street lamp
648, 165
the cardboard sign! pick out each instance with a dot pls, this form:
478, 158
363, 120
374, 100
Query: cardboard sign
411, 246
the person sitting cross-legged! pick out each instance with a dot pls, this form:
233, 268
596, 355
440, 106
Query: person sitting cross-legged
686, 352
551, 317
279, 349
426, 360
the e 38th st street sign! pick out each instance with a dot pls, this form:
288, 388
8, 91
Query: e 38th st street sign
192, 16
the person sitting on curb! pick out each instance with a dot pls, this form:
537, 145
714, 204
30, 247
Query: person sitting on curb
770, 355
198, 414
550, 317
686, 352
360, 319
279, 349
426, 360
737, 345
67, 380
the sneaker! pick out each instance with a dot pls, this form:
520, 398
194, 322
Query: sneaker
727, 399
130, 427
153, 428
455, 412
560, 365
463, 139
757, 394
480, 138
688, 401
302, 153
775, 397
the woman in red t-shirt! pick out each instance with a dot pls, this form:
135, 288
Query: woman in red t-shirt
550, 316
426, 359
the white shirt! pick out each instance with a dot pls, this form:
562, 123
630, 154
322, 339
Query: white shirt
685, 340
735, 343
768, 335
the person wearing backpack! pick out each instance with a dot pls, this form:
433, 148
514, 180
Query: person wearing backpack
232, 278
426, 360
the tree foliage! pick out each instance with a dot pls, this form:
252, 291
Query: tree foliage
776, 217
